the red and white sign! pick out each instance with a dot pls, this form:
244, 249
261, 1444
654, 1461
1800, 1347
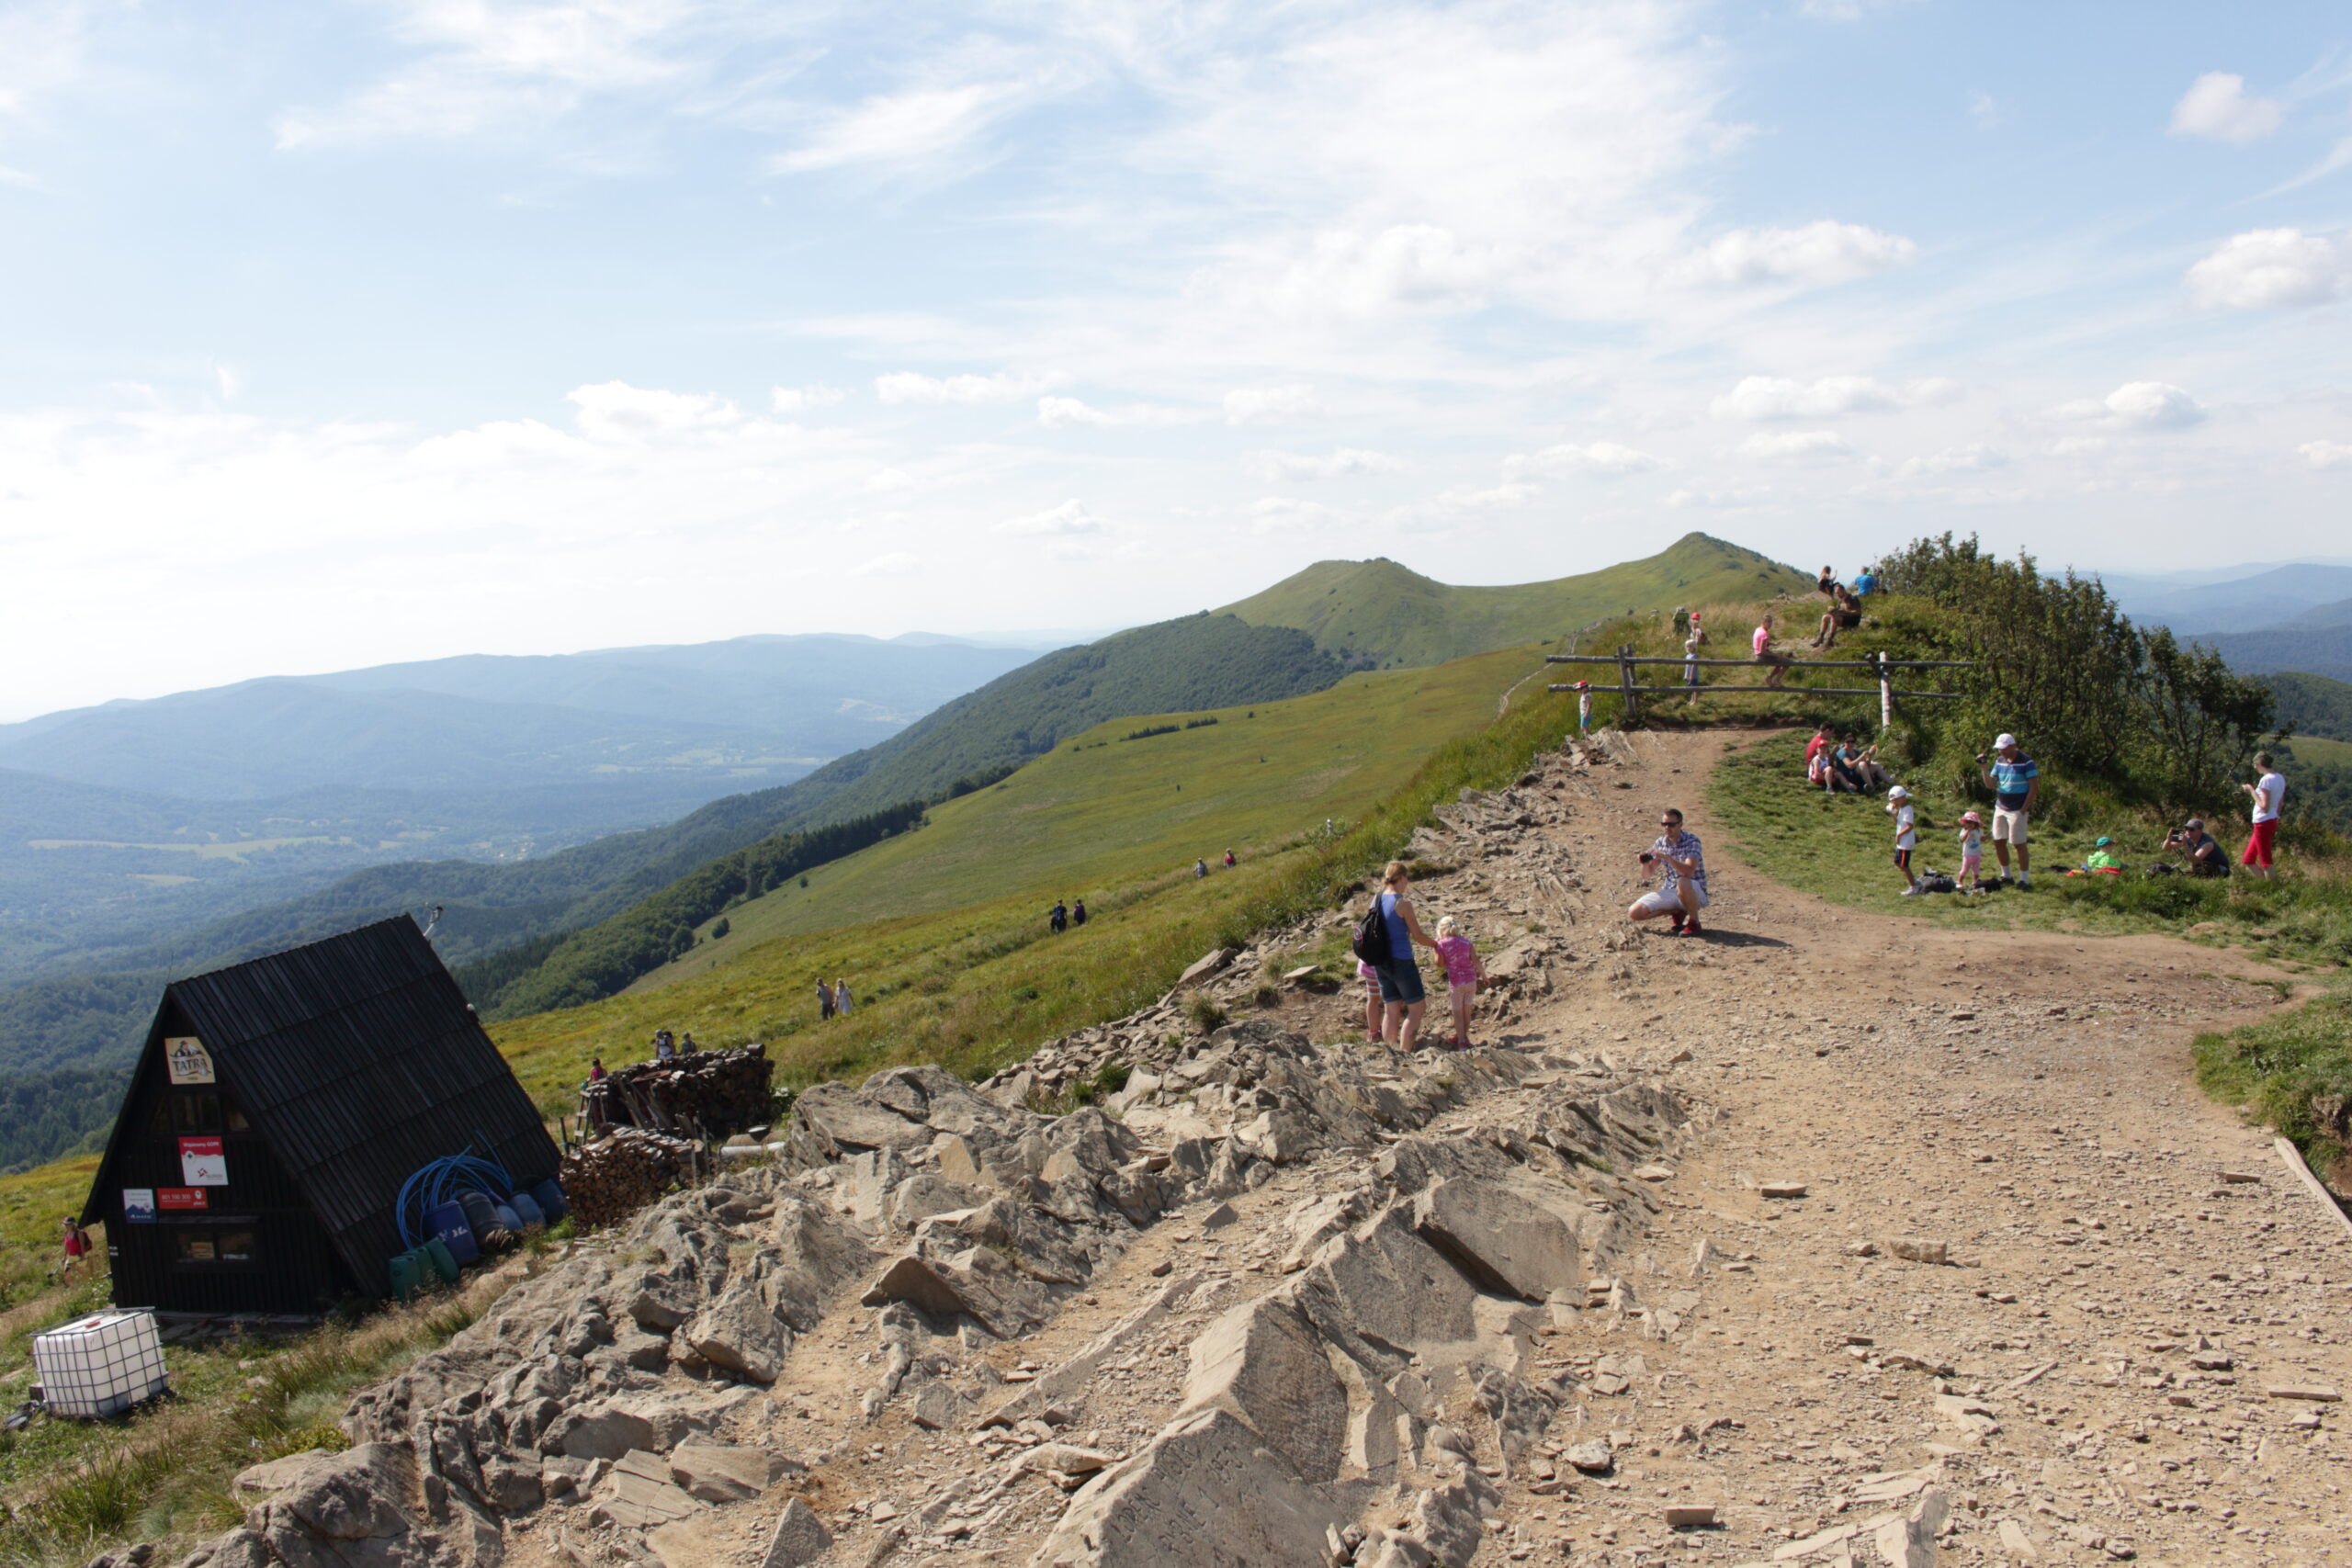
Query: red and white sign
170, 1198
202, 1164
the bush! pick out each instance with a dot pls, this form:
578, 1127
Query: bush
1206, 1014
720, 929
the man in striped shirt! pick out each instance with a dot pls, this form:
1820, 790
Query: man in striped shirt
1683, 892
2015, 784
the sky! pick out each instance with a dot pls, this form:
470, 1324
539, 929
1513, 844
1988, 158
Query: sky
334, 333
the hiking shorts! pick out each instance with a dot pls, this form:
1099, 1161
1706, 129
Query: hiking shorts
2008, 827
1667, 901
1400, 981
2259, 843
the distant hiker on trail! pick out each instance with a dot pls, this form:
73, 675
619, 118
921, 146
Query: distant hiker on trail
686, 1046
2015, 784
1906, 836
2269, 793
1200, 868
1229, 860
842, 1003
1776, 662
1077, 913
1400, 977
1865, 583
1972, 852
1463, 977
1584, 707
1691, 666
824, 1002
1845, 613
664, 1046
1683, 893
595, 1069
1371, 1003
76, 1244
1681, 620
1058, 918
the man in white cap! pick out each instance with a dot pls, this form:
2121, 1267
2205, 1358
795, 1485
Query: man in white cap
1906, 836
2015, 784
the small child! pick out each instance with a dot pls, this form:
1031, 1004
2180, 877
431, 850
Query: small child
1462, 975
1371, 1005
1972, 852
1690, 667
1906, 836
1584, 707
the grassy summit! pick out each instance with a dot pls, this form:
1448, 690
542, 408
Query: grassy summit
1376, 614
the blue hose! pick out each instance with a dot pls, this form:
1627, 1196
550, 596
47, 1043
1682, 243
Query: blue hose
438, 1183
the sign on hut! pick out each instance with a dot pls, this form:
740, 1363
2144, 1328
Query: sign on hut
256, 1161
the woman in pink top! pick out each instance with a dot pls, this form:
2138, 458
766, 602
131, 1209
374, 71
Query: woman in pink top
1777, 662
1461, 975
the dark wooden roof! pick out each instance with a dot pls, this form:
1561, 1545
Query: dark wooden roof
358, 1060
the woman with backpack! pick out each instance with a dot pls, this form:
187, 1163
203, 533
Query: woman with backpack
1402, 995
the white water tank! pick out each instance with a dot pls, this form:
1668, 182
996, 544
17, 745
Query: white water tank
99, 1365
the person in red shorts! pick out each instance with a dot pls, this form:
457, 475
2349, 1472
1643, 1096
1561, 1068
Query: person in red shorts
2269, 793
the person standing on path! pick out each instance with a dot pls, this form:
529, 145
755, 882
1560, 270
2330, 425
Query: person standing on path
2016, 785
1402, 995
1057, 918
1463, 975
2269, 792
1683, 893
824, 1002
1906, 836
1584, 707
842, 1003
1200, 868
1077, 913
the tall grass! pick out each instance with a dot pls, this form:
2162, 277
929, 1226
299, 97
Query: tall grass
2294, 1072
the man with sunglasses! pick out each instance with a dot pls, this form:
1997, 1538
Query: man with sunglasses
1683, 893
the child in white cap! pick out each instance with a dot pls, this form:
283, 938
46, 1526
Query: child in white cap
1906, 836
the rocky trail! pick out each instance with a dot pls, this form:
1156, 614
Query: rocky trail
1825, 1239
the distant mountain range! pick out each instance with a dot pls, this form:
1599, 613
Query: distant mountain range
2230, 599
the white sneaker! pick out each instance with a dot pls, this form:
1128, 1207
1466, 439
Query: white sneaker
1910, 892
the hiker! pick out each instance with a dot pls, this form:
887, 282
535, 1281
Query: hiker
1683, 892
1078, 912
2206, 856
1862, 761
842, 1003
1827, 583
1681, 620
1691, 666
1401, 992
664, 1046
2102, 858
1371, 1003
1849, 770
595, 1069
1229, 862
1584, 707
1816, 757
1463, 976
824, 1002
1058, 918
1200, 869
2269, 793
1972, 852
2015, 784
1777, 662
686, 1046
76, 1244
1906, 836
1865, 583
1844, 613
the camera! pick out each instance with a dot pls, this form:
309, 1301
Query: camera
1648, 856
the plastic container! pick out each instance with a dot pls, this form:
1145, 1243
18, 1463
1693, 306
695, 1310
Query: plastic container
481, 1218
450, 1229
445, 1262
408, 1275
99, 1365
509, 1220
526, 1211
548, 1196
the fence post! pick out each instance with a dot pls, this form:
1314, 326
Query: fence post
1885, 692
1625, 680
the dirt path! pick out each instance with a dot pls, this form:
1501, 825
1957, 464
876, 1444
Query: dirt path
2086, 1375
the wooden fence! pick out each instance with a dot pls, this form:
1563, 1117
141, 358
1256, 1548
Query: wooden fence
1625, 660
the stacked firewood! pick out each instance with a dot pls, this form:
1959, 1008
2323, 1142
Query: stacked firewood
629, 1167
707, 1094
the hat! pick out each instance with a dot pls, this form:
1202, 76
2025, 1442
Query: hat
1972, 817
1898, 793
1584, 685
2005, 742
2102, 843
2196, 822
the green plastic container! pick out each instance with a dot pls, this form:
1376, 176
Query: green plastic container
443, 1261
408, 1274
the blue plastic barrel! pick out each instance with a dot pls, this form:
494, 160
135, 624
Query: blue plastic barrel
549, 1198
443, 1261
449, 1225
526, 1211
508, 1220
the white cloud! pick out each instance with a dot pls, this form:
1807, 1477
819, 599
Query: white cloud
2267, 269
1069, 413
1605, 459
1844, 10
1970, 459
1984, 109
2325, 453
1728, 500
898, 563
800, 399
1069, 517
1283, 514
1760, 397
617, 411
1270, 405
1345, 272
1797, 446
2153, 405
910, 387
916, 126
2216, 107
2081, 445
1493, 498
1340, 462
1817, 253
497, 443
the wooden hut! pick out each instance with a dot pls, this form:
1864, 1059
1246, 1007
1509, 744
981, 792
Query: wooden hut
278, 1105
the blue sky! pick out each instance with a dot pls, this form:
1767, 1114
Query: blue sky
344, 332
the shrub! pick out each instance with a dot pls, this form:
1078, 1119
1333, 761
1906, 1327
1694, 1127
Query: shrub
1205, 1013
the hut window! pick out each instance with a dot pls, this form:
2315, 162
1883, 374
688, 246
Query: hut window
195, 1244
196, 1112
159, 1125
233, 1118
195, 1247
236, 1247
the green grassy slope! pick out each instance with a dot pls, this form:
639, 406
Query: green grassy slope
2314, 705
1379, 613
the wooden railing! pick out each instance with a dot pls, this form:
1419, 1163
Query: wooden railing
1625, 659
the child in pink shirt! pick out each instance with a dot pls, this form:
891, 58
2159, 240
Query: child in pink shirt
1371, 979
1463, 976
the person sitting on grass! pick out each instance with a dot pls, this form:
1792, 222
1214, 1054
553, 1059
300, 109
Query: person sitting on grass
1816, 758
1765, 655
1906, 836
2103, 857
1844, 613
1683, 892
2206, 856
1463, 976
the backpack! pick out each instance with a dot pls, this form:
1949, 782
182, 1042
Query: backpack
1370, 943
1936, 882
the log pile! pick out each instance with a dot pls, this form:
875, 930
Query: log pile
709, 1094
620, 1173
